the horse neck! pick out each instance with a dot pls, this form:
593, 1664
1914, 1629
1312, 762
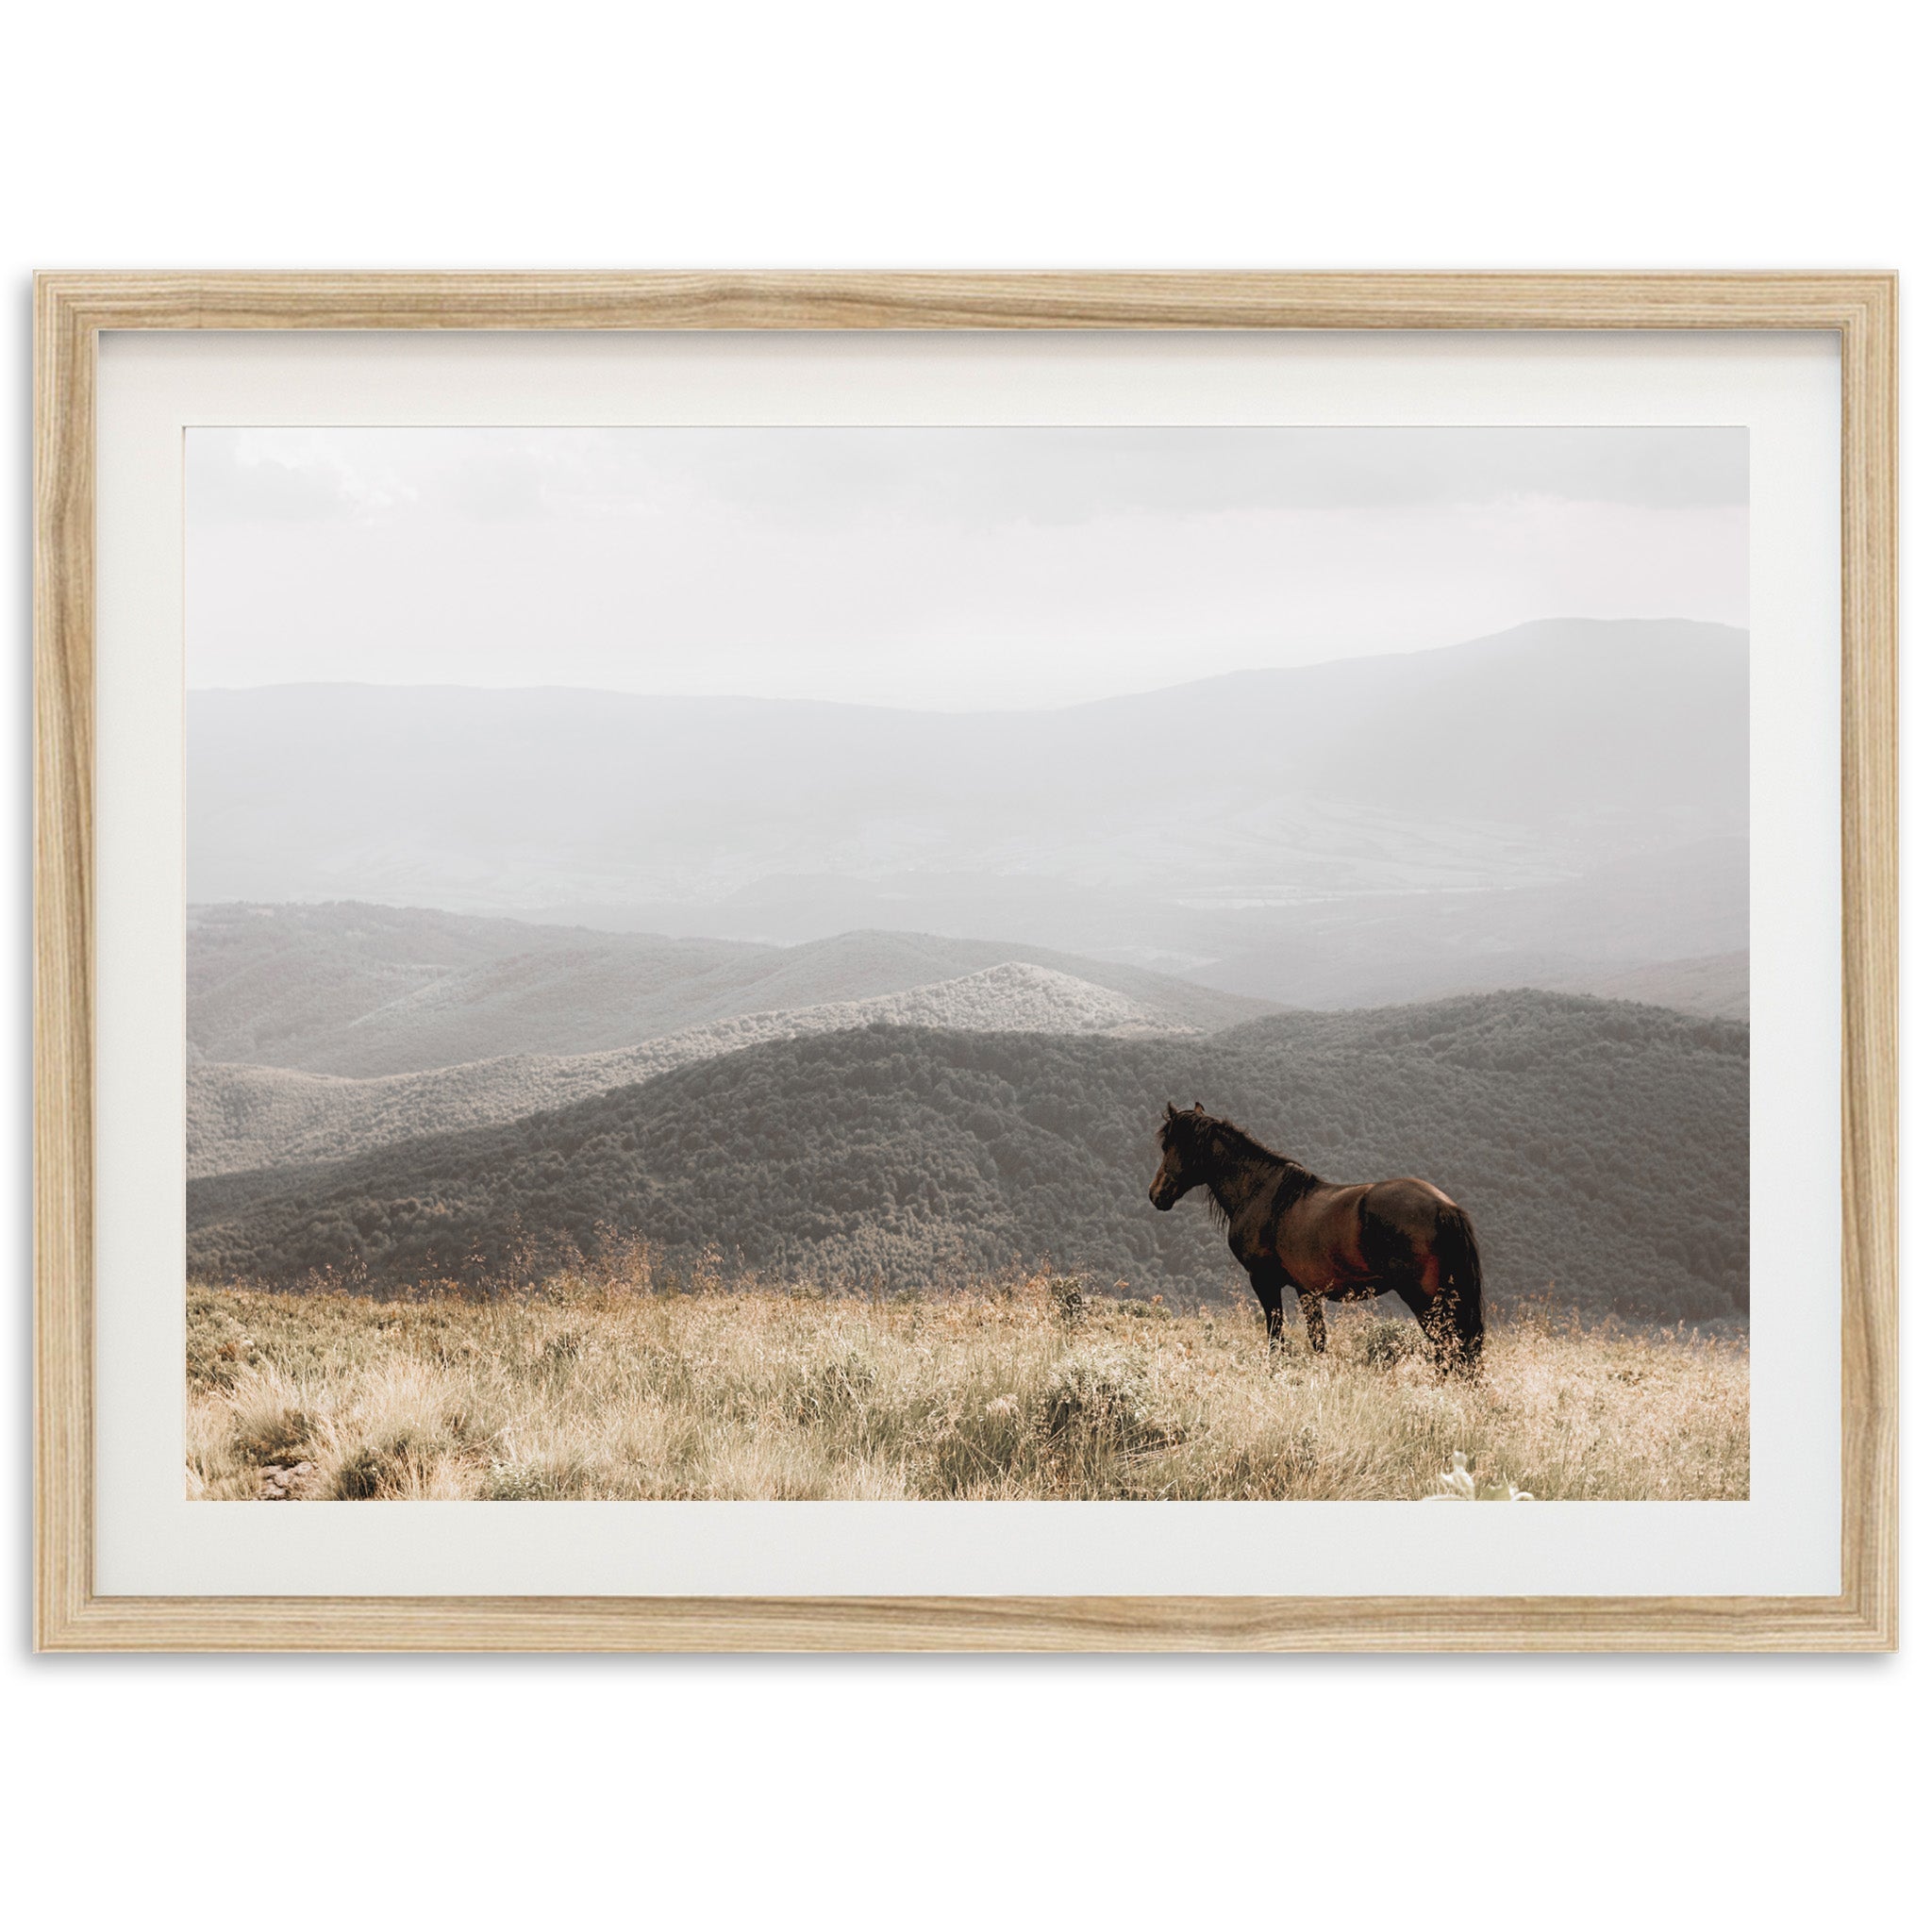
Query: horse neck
1242, 1171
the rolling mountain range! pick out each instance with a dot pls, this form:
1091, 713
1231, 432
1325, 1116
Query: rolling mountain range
361, 990
1602, 1149
1564, 798
890, 997
242, 1117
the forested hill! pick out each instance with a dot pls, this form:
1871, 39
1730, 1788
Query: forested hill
1600, 1146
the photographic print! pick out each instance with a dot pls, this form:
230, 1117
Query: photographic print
967, 963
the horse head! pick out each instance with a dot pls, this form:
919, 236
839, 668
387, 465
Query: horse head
1182, 1153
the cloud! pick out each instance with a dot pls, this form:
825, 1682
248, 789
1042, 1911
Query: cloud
282, 474
938, 567
954, 475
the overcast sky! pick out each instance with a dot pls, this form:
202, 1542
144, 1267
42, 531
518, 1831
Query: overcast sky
937, 568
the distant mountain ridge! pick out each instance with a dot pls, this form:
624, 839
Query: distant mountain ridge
364, 991
1717, 984
1603, 932
1174, 829
245, 1117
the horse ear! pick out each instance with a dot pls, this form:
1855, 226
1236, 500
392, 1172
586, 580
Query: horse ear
1170, 1114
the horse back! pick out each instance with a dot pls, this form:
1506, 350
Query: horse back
1410, 1205
1374, 1233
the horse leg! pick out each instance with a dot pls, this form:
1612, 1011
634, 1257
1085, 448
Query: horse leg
1457, 1267
1428, 1312
1268, 1284
1267, 1293
1317, 1322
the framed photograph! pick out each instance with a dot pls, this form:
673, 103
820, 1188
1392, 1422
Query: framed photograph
966, 963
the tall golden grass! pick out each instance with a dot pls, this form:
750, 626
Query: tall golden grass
599, 1387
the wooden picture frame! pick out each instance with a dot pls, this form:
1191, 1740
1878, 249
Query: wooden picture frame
72, 310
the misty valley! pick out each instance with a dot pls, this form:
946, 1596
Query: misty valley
1490, 925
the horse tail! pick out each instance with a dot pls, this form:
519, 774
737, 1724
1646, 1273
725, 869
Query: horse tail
1461, 1265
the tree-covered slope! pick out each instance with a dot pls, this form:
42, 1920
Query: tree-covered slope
1601, 1147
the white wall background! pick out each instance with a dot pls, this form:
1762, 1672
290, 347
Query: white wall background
566, 1791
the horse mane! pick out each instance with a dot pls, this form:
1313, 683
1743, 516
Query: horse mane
1236, 1148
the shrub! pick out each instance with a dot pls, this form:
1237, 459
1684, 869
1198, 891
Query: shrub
517, 1480
268, 1425
1069, 1303
1383, 1341
364, 1475
219, 1349
1102, 1397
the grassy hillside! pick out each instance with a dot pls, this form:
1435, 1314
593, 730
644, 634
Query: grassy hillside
367, 990
1601, 1148
253, 1117
604, 1389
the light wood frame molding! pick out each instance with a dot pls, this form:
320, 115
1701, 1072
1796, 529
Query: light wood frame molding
71, 311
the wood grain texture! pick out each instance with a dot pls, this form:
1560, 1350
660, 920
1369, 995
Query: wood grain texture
71, 309
64, 962
1869, 1081
706, 301
968, 1624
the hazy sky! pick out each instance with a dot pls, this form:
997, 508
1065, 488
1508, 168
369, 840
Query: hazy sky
938, 568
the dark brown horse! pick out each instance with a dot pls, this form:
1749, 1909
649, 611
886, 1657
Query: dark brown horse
1289, 1228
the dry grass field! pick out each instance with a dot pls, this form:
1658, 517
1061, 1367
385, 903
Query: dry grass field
601, 1389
